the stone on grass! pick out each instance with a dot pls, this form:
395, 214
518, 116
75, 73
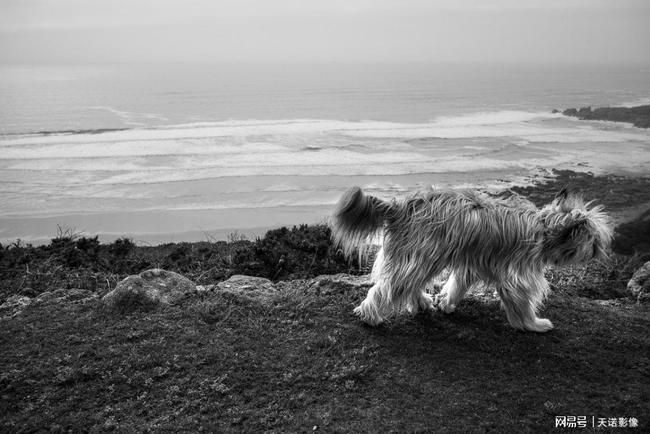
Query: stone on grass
61, 295
249, 286
338, 284
14, 305
639, 284
201, 289
148, 289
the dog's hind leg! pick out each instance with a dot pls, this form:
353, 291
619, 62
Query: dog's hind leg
425, 301
521, 298
373, 309
454, 290
409, 282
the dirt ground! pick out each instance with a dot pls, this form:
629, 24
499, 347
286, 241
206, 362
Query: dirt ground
299, 361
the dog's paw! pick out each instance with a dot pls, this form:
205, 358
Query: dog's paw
366, 316
427, 302
442, 302
541, 325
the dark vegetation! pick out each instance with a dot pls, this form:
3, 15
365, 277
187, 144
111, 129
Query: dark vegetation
638, 116
612, 191
298, 360
75, 261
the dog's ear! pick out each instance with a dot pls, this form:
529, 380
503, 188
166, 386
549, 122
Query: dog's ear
565, 200
562, 194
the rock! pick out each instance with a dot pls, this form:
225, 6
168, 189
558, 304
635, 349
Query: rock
205, 288
638, 116
147, 289
339, 283
639, 284
14, 305
16, 301
252, 287
570, 112
66, 295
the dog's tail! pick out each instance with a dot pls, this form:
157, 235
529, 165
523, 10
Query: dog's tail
358, 218
575, 232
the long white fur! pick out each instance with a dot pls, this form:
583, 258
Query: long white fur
505, 243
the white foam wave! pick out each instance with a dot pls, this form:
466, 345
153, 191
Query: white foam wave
493, 118
529, 132
262, 136
210, 150
130, 118
635, 103
129, 148
341, 167
258, 204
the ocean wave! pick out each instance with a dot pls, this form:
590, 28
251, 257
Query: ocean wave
635, 102
339, 168
65, 132
129, 148
264, 204
498, 140
203, 137
279, 161
129, 117
493, 118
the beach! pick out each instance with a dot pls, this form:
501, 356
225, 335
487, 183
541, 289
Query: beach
194, 182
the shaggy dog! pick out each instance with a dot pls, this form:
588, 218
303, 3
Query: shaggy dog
504, 243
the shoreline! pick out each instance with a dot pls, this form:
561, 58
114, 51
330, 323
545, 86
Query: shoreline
625, 197
157, 226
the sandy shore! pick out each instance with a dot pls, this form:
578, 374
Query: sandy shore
216, 215
625, 197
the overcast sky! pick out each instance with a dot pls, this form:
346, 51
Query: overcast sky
80, 31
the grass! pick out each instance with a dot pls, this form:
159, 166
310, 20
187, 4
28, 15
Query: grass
299, 359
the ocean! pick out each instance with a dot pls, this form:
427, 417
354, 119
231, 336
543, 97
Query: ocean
185, 152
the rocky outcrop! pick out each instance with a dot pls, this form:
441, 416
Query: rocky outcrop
148, 289
74, 295
639, 284
637, 116
248, 286
338, 283
14, 305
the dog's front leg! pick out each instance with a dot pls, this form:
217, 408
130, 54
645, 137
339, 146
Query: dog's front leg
442, 299
453, 291
520, 299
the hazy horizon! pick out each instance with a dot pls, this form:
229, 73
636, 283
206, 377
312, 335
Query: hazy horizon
352, 31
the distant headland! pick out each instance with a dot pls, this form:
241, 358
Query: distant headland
638, 116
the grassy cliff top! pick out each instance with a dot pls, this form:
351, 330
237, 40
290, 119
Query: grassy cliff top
297, 359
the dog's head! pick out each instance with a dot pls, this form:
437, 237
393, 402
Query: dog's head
574, 231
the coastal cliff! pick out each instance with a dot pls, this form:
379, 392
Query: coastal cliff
638, 116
